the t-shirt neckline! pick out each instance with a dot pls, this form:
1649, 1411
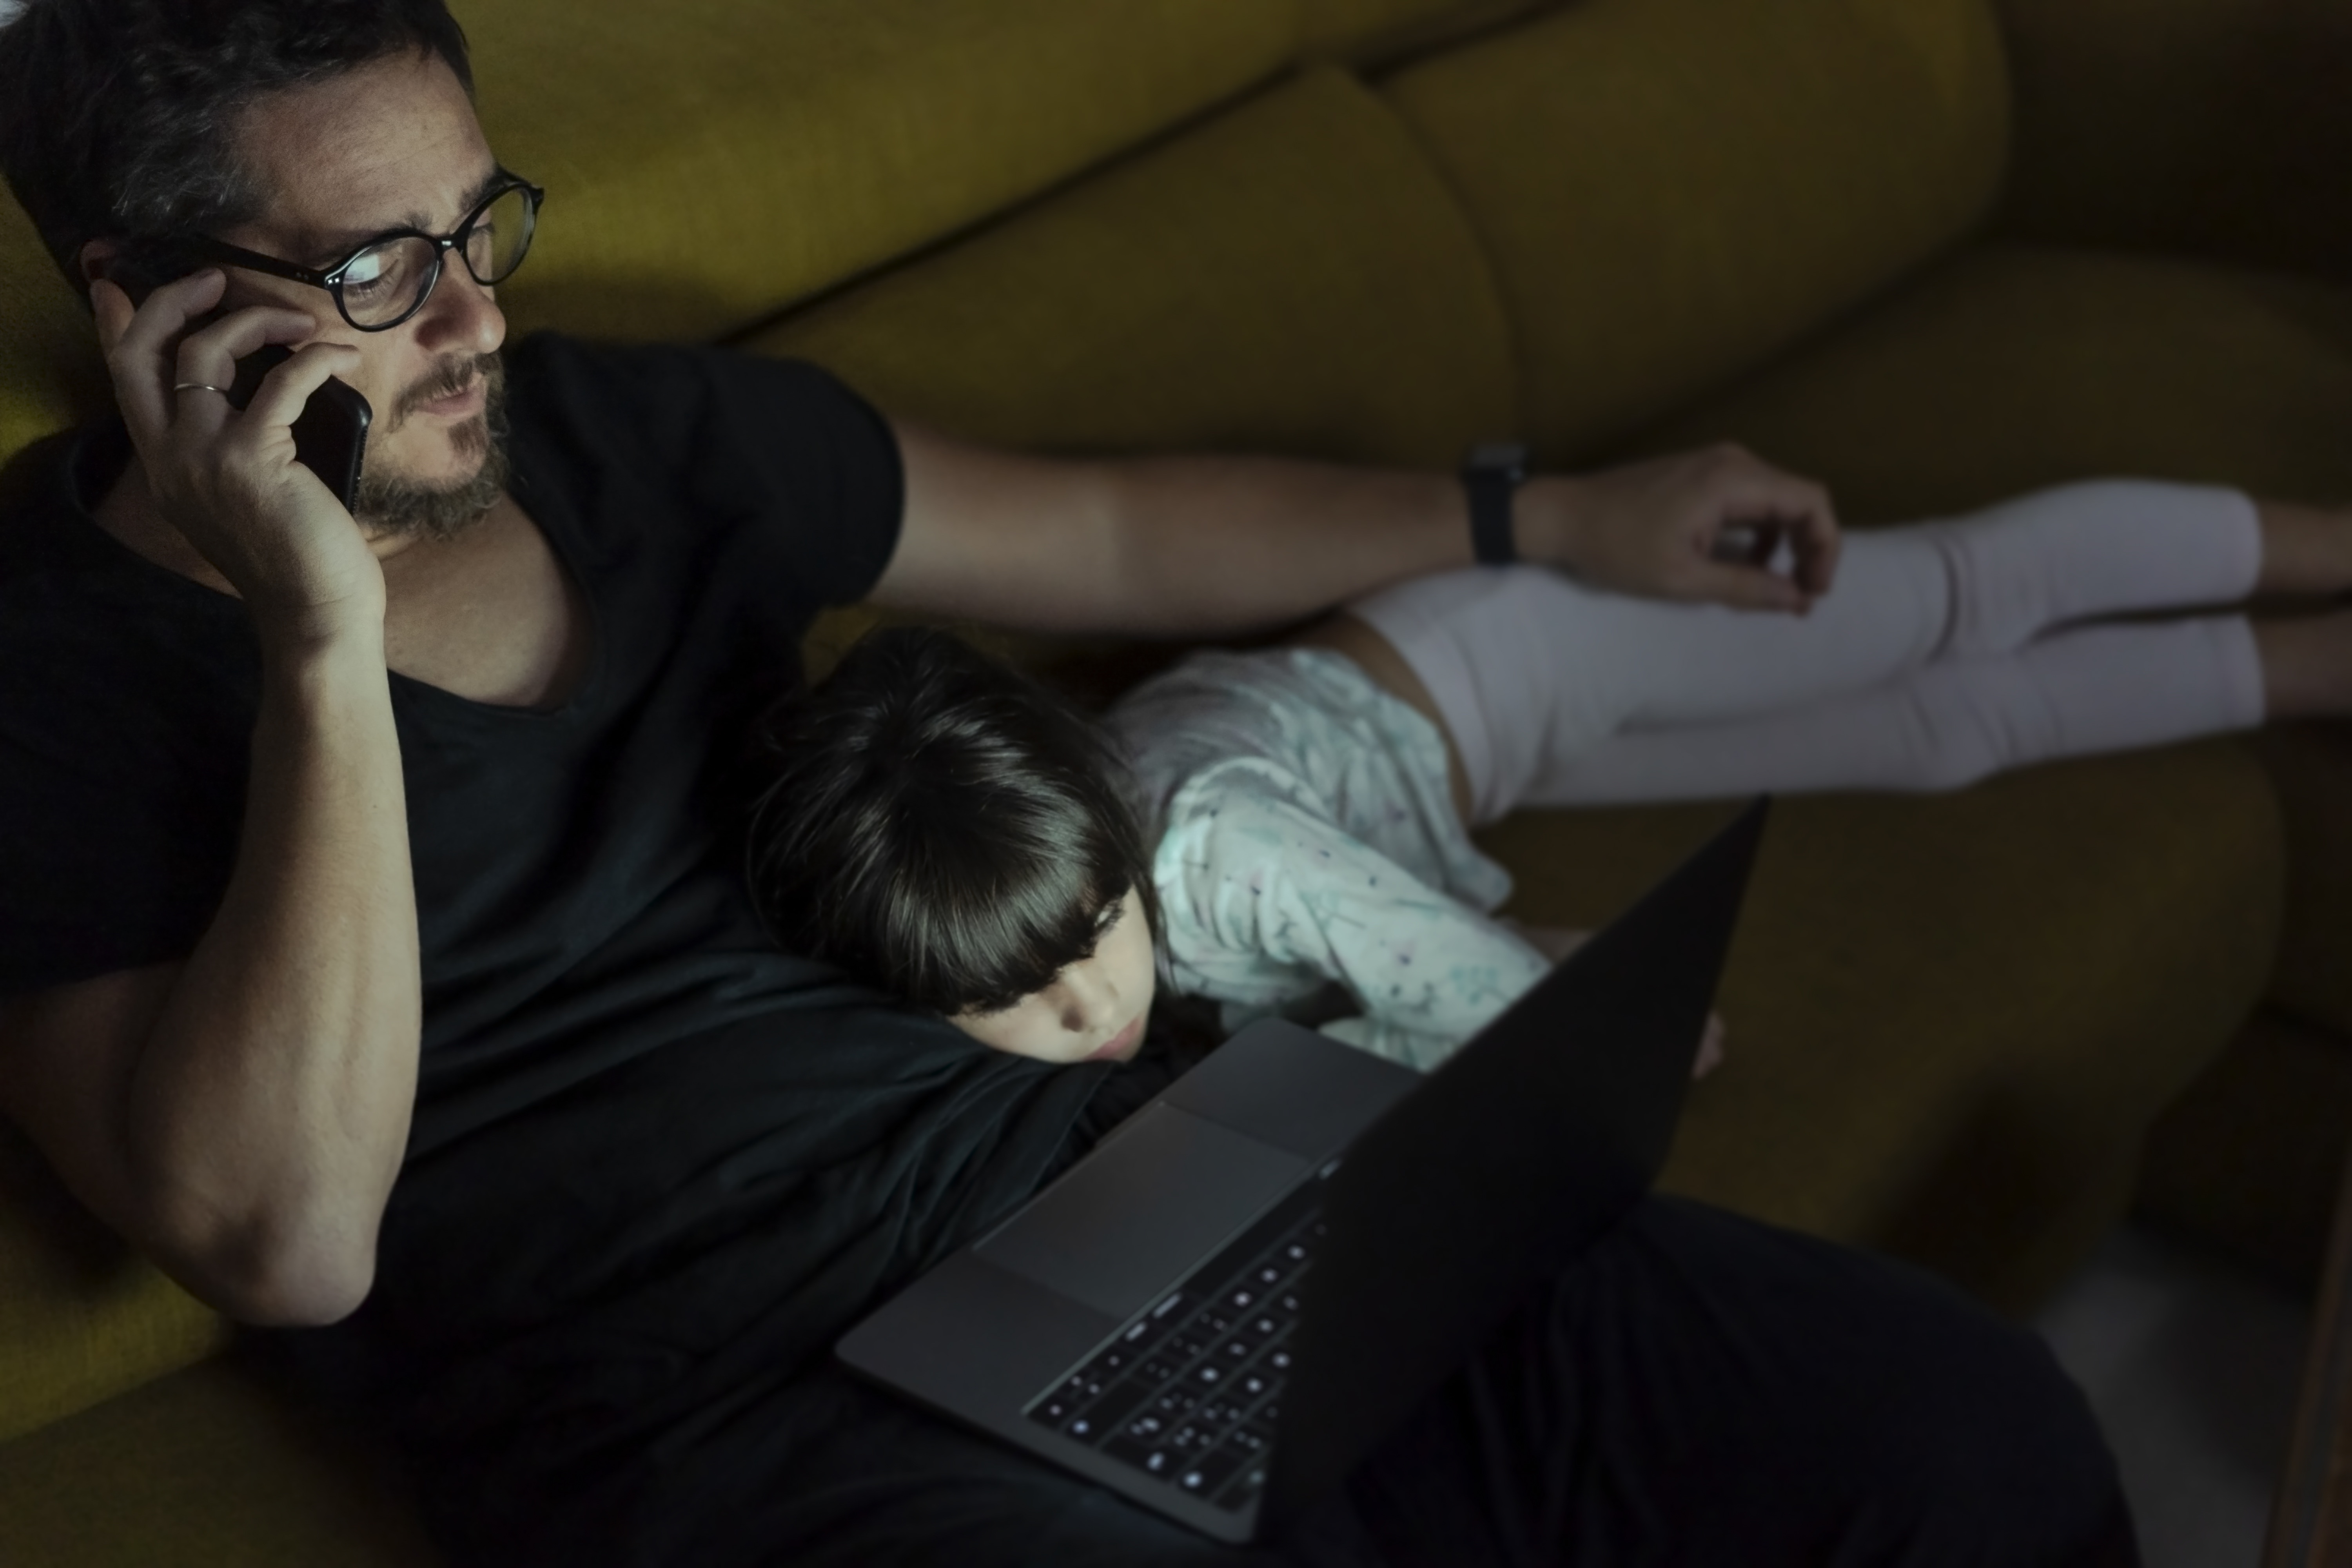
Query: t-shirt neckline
99, 456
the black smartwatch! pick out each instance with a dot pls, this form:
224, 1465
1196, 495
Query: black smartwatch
1492, 475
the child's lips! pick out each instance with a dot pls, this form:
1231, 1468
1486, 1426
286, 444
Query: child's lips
1121, 1046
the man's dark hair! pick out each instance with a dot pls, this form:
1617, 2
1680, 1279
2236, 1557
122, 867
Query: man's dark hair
116, 115
940, 827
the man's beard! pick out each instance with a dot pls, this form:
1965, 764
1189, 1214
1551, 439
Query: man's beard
388, 504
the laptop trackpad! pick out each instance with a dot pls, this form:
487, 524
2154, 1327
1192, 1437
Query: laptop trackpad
1158, 1198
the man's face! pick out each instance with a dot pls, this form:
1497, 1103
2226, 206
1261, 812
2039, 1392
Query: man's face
393, 144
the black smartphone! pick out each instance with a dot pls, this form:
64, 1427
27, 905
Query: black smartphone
330, 434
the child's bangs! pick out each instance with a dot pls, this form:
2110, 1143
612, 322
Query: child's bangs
1007, 904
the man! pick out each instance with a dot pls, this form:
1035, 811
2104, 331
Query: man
426, 1003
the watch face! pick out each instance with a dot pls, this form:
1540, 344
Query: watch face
1508, 458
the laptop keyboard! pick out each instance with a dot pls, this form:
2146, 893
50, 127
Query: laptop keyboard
1189, 1390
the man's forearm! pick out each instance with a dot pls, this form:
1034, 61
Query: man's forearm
1214, 546
266, 1118
1189, 547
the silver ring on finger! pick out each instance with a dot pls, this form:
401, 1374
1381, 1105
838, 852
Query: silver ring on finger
198, 387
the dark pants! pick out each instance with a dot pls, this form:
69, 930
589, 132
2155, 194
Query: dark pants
1698, 1389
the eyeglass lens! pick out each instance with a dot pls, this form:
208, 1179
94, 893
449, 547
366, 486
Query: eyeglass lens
390, 280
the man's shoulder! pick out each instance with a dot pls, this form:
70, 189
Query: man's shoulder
587, 373
714, 438
37, 514
89, 626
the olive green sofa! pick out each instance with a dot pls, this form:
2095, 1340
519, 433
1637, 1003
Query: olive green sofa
1931, 251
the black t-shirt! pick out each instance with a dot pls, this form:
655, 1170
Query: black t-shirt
657, 1165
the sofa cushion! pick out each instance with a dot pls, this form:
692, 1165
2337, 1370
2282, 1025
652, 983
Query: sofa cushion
1374, 30
1290, 276
81, 1317
707, 162
2013, 365
1671, 190
2205, 127
2009, 366
2311, 767
51, 372
200, 1470
1951, 1019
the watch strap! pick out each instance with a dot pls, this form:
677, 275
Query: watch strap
1491, 476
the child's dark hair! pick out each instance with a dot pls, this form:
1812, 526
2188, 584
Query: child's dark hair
940, 826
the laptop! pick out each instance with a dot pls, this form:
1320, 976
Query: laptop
1223, 1309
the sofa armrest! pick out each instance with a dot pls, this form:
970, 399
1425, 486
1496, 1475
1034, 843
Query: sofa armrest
82, 1318
2210, 127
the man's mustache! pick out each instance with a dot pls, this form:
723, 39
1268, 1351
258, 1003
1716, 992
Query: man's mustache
446, 379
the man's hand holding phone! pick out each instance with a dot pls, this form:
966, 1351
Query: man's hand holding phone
229, 479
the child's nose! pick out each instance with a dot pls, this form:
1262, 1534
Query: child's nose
1089, 1000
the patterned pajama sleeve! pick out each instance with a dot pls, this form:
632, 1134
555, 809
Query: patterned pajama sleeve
1265, 897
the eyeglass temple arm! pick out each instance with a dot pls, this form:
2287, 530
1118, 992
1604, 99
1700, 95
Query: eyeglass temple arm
211, 250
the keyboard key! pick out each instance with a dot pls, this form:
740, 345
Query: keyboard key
1189, 1438
1148, 1428
1206, 1375
1253, 1436
1052, 1412
1250, 1384
1145, 1457
1176, 1402
1111, 1363
1142, 1333
1278, 1359
1244, 1342
1111, 1411
1203, 1475
1219, 1412
1181, 1347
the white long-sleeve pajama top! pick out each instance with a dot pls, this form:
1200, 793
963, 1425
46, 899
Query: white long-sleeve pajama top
1305, 837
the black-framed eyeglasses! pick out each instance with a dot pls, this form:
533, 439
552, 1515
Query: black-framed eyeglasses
388, 280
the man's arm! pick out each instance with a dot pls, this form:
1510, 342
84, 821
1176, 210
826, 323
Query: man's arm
1216, 546
241, 1116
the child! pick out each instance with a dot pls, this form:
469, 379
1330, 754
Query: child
943, 829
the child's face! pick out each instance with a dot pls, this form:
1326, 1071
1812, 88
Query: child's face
1092, 1011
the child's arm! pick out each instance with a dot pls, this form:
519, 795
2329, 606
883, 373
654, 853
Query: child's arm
1263, 897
